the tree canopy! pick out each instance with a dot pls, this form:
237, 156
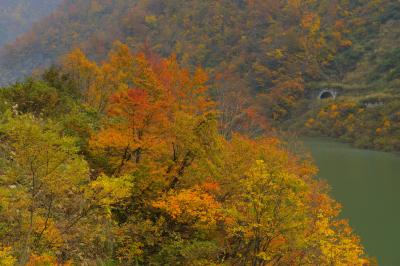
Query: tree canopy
128, 162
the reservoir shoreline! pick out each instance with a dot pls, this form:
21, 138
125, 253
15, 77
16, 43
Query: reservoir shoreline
366, 183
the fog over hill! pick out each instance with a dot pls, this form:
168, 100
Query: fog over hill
256, 39
17, 16
264, 43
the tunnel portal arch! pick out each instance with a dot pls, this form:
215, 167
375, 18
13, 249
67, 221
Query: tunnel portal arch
327, 94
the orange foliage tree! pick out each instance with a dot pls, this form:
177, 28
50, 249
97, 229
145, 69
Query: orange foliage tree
193, 195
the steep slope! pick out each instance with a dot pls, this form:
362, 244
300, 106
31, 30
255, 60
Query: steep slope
264, 42
366, 109
282, 50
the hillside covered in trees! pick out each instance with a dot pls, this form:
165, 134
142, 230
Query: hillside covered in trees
128, 162
262, 41
281, 51
17, 17
146, 132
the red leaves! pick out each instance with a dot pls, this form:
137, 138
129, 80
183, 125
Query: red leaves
129, 103
141, 121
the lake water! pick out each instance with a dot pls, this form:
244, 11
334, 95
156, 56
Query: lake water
367, 184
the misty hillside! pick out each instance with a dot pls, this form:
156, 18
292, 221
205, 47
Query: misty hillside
17, 16
283, 51
258, 40
255, 39
173, 132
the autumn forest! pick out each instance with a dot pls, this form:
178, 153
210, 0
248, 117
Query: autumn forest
165, 132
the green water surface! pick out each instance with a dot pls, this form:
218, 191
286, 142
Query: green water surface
367, 184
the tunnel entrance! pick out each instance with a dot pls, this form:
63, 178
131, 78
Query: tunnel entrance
326, 95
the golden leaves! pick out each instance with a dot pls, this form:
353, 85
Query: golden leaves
107, 190
6, 257
191, 206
